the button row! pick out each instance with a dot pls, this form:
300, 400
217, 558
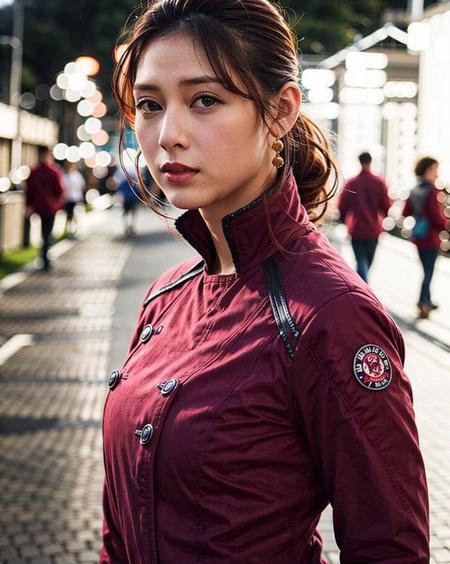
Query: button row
165, 388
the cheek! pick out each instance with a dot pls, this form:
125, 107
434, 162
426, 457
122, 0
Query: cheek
235, 140
146, 136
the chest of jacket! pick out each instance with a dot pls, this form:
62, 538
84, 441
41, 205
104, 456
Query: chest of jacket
205, 398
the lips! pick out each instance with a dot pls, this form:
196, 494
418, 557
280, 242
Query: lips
178, 173
177, 168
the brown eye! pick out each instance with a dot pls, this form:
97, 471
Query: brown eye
147, 106
205, 101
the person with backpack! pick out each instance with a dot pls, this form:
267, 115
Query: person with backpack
423, 204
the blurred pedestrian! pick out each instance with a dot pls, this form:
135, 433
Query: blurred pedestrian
264, 379
423, 204
127, 191
74, 185
363, 204
44, 196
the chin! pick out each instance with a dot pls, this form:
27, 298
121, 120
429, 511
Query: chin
186, 199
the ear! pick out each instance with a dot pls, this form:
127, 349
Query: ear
286, 106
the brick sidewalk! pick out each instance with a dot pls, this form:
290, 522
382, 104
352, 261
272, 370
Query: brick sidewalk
51, 468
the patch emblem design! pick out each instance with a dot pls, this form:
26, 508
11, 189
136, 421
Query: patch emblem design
372, 368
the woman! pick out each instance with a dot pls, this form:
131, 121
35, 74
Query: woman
424, 205
264, 381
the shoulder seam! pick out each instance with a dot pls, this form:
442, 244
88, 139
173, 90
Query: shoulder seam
330, 266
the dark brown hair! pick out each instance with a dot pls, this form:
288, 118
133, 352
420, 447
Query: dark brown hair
423, 165
252, 38
365, 159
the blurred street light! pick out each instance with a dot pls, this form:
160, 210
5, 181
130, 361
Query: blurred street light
357, 60
88, 65
415, 9
418, 37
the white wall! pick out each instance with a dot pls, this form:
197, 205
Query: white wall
434, 93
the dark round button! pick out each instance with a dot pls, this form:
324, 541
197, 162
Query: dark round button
168, 387
147, 332
113, 379
147, 433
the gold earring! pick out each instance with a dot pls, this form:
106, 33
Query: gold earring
278, 160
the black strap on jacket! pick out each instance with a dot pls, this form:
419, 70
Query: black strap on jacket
191, 273
289, 332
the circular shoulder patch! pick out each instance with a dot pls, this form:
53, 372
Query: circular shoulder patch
372, 368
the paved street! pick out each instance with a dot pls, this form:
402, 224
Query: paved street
63, 332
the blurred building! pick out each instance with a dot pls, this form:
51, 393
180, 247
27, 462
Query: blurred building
431, 37
375, 105
34, 130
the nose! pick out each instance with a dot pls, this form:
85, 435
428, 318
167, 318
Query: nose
174, 130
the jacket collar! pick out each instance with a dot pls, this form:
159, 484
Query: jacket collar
254, 232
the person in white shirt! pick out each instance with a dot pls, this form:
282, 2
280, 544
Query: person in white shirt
74, 185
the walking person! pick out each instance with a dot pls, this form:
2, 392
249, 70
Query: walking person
363, 204
74, 185
127, 191
424, 206
44, 196
264, 379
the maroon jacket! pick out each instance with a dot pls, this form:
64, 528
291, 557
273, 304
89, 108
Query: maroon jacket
44, 190
363, 205
434, 212
248, 402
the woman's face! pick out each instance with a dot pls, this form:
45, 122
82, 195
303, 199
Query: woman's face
186, 118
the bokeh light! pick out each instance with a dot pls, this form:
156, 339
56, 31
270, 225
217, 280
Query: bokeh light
59, 151
100, 138
73, 154
88, 65
93, 125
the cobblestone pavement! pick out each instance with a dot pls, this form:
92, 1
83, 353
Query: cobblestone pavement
51, 467
395, 279
51, 402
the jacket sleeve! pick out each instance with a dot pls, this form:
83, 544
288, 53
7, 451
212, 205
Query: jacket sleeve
343, 203
435, 212
363, 441
385, 201
29, 191
57, 185
407, 209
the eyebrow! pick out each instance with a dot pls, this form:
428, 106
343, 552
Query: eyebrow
205, 79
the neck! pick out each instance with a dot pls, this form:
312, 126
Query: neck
224, 261
213, 215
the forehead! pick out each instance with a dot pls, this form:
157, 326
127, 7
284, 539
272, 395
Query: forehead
170, 58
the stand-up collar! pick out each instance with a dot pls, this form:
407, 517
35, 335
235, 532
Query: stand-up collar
253, 232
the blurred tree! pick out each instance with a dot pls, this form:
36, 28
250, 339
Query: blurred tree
325, 26
57, 31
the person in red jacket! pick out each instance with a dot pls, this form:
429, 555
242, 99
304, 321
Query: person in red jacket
44, 192
363, 204
264, 380
423, 204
